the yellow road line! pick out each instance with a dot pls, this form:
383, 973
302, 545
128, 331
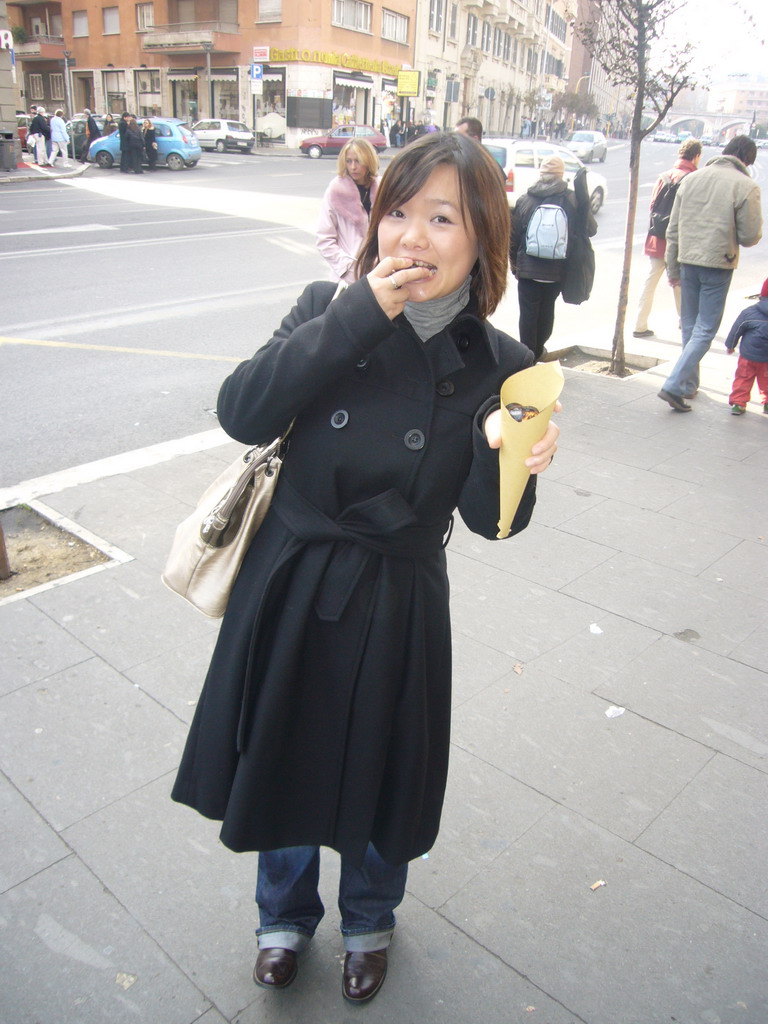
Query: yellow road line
120, 348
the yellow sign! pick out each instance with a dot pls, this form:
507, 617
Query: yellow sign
408, 83
334, 58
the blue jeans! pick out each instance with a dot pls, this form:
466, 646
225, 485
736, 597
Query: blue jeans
703, 294
290, 907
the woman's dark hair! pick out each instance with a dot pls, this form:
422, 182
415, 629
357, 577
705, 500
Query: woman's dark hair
483, 203
743, 148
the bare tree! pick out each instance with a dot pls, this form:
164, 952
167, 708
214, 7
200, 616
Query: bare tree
626, 40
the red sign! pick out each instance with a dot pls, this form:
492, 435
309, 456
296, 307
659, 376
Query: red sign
261, 53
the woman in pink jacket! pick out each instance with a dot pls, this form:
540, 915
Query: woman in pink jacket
346, 208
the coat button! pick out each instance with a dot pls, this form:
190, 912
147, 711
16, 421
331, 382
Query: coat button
462, 342
445, 388
362, 364
340, 419
414, 440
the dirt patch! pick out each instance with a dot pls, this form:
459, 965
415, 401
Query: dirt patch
576, 359
39, 551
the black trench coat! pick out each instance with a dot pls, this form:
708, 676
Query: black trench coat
325, 715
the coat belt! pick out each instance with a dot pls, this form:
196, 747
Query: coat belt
384, 524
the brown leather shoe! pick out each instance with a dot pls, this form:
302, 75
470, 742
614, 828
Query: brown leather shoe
364, 974
275, 968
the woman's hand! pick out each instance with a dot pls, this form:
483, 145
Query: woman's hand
542, 452
387, 279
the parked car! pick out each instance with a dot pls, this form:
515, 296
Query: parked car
520, 160
220, 134
177, 145
22, 124
588, 146
76, 132
664, 136
331, 144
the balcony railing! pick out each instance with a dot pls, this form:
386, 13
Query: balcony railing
41, 48
191, 36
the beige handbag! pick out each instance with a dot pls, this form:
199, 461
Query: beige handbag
209, 545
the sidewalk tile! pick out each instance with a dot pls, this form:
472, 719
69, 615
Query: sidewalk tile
71, 954
124, 616
83, 738
709, 698
660, 537
536, 730
744, 568
671, 602
650, 947
175, 678
640, 487
715, 831
29, 845
33, 646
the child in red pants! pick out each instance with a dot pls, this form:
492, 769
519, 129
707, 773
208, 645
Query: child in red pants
751, 326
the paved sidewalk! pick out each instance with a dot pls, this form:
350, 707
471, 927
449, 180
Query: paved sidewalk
610, 726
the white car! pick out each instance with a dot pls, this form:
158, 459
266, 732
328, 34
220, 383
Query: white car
219, 133
520, 160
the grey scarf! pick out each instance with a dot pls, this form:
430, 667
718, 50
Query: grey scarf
430, 317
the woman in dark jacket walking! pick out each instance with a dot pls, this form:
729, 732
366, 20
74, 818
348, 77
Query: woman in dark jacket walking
324, 719
539, 280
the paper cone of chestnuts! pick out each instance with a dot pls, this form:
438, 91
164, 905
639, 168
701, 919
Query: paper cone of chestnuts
527, 401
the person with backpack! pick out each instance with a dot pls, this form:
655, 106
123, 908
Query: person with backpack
662, 200
541, 221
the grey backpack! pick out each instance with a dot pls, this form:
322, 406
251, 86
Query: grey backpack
546, 236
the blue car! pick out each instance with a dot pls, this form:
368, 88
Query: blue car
177, 145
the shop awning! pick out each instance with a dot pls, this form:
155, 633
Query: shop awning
181, 76
355, 81
223, 76
271, 76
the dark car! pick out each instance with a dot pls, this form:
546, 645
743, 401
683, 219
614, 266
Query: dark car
331, 144
22, 125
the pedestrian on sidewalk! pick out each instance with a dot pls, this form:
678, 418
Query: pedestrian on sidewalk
716, 210
41, 131
541, 222
346, 208
122, 128
59, 139
325, 715
662, 199
751, 328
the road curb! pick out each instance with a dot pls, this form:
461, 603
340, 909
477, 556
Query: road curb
31, 174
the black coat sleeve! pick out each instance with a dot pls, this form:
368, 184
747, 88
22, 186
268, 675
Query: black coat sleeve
316, 343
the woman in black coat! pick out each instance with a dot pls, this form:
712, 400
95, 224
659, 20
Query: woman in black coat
134, 145
150, 143
324, 720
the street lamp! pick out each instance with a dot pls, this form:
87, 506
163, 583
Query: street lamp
68, 94
208, 46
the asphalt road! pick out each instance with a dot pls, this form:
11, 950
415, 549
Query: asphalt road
127, 300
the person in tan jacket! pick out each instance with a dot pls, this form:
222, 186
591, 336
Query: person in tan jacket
716, 210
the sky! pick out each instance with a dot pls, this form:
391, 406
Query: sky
725, 40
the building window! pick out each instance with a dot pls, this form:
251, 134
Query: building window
471, 30
486, 37
111, 16
507, 47
148, 93
270, 10
394, 26
145, 16
352, 14
36, 87
57, 86
498, 44
435, 15
453, 24
79, 23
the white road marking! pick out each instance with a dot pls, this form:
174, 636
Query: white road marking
61, 231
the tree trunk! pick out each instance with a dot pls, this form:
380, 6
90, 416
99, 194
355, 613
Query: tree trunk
618, 363
5, 567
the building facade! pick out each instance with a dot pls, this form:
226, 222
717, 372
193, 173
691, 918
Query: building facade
292, 68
